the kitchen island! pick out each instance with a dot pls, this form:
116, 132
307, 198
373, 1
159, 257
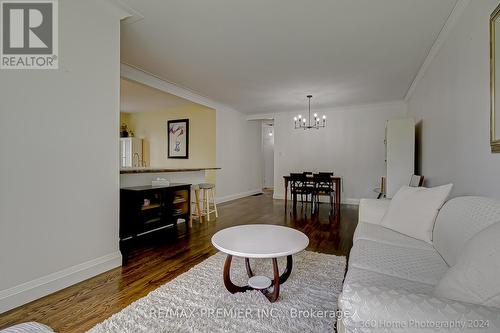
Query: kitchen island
150, 211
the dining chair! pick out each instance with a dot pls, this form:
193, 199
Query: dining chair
323, 187
309, 182
299, 186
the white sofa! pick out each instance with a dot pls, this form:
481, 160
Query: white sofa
391, 277
29, 327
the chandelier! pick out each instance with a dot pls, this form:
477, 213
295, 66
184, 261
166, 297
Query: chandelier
308, 123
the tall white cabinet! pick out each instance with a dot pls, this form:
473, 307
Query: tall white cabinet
400, 153
131, 154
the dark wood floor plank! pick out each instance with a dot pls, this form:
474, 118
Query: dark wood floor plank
80, 307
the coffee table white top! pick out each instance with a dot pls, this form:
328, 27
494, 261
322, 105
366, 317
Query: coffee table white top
260, 241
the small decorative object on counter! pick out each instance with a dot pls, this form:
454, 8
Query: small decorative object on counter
160, 182
124, 131
147, 202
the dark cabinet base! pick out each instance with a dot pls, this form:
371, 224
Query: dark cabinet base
149, 215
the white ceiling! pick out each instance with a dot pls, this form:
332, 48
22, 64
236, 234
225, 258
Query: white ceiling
136, 97
261, 56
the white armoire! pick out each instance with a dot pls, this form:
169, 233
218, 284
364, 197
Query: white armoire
399, 153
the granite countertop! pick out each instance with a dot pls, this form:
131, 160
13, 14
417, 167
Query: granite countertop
151, 187
160, 170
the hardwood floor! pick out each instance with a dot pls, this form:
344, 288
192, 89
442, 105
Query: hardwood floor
80, 307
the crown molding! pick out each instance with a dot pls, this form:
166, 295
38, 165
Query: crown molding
134, 73
261, 116
453, 18
352, 107
125, 13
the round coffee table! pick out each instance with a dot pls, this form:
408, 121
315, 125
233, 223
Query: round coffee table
259, 241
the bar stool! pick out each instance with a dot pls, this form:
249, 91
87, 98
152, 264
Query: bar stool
209, 205
196, 213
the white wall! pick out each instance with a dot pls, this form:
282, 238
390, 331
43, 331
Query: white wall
238, 155
267, 155
351, 145
59, 171
452, 103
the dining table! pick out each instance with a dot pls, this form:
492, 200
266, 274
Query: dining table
336, 182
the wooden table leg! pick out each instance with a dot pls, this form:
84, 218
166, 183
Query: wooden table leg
288, 270
273, 296
277, 278
232, 288
337, 196
286, 193
283, 277
249, 269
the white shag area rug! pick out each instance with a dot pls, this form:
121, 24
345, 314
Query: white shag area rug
197, 300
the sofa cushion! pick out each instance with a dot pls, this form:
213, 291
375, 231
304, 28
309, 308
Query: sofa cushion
459, 220
374, 309
370, 278
413, 210
420, 265
378, 233
474, 278
29, 327
372, 210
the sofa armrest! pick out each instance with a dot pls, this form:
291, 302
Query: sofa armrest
29, 327
372, 210
376, 309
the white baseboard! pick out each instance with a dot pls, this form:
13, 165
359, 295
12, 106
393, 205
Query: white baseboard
45, 285
237, 196
350, 201
345, 201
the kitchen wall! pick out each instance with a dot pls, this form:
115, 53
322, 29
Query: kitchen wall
351, 145
152, 127
451, 104
59, 172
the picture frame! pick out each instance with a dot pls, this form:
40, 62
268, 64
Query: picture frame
178, 138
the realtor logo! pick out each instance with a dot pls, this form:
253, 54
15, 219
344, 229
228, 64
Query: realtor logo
29, 36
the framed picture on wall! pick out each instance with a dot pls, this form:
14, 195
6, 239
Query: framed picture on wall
178, 138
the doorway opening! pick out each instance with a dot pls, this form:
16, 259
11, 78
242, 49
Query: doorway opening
267, 156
